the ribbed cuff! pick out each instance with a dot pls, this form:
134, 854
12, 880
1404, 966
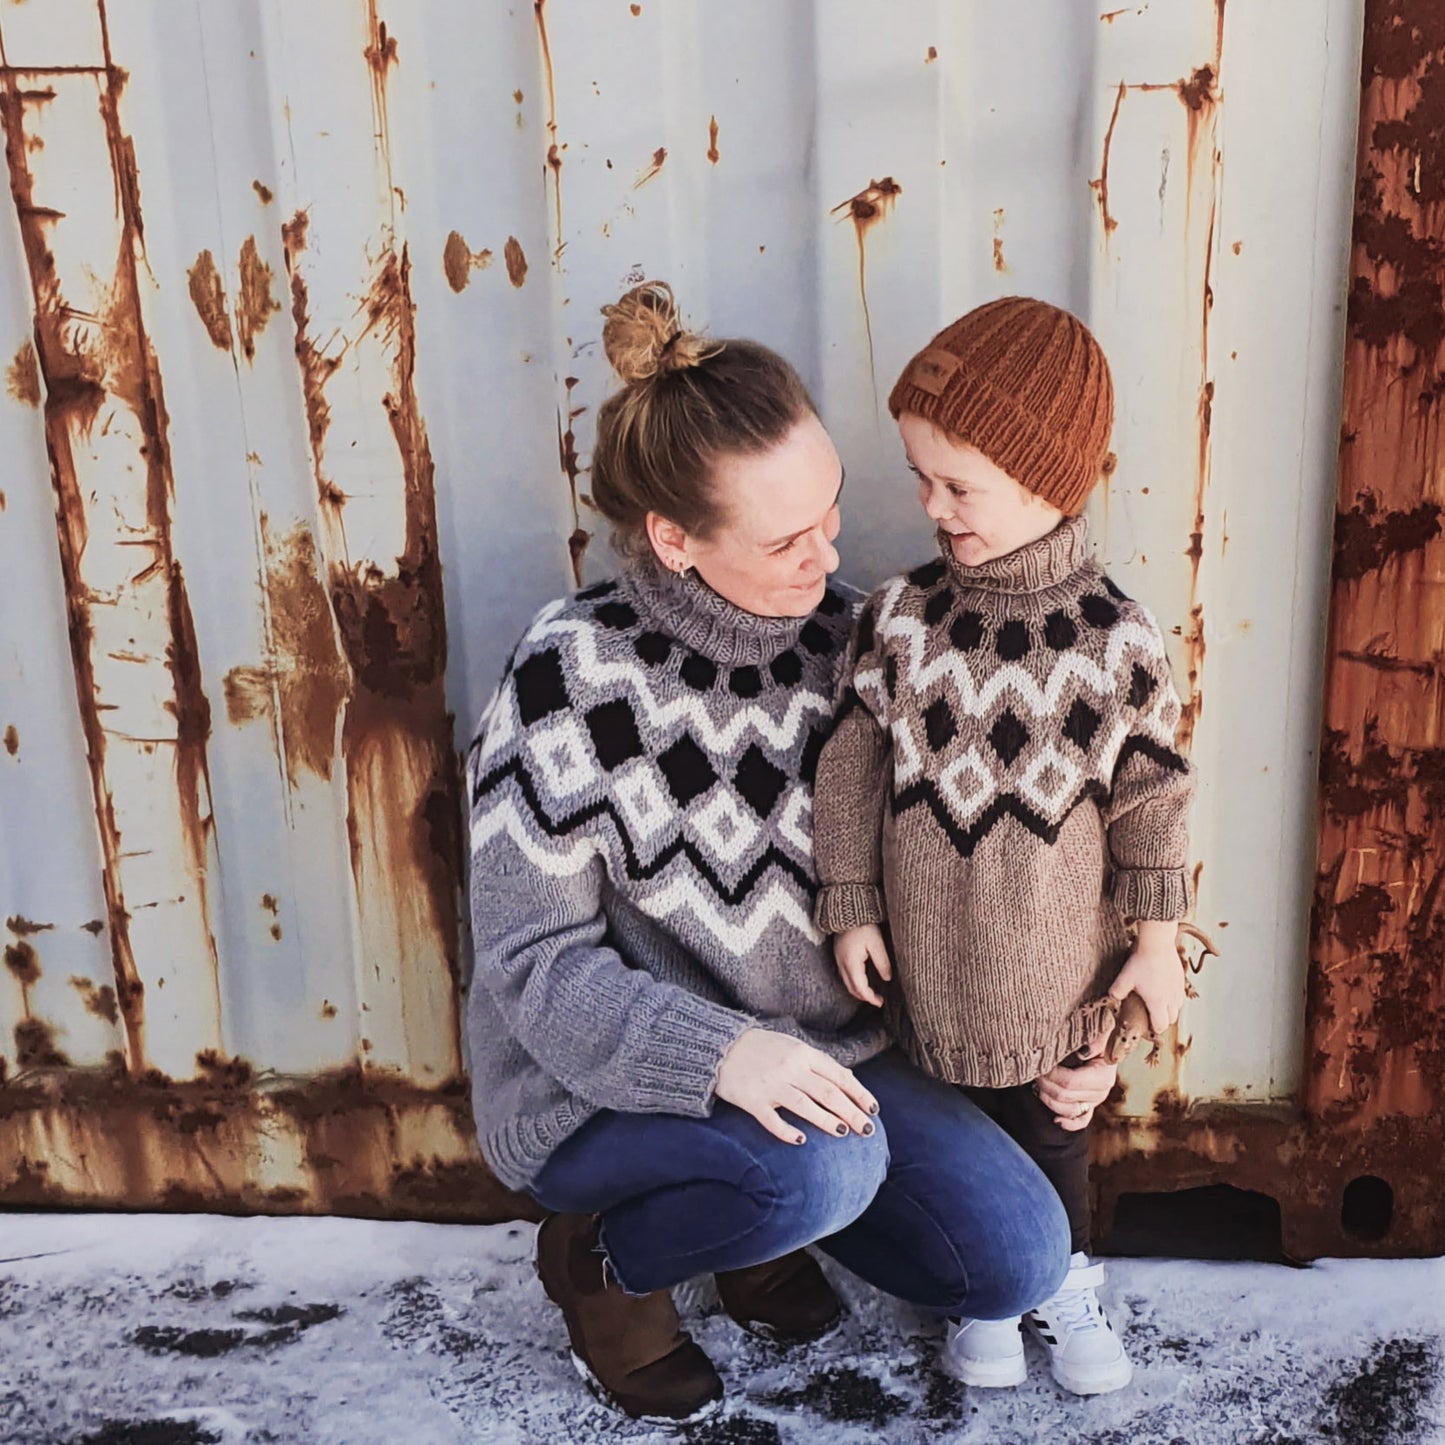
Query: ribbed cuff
687, 1042
1157, 894
847, 905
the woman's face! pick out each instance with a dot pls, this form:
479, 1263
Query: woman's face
772, 551
985, 512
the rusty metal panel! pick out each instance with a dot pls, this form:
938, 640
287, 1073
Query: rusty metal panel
300, 310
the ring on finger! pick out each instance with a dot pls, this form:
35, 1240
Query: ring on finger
1081, 1111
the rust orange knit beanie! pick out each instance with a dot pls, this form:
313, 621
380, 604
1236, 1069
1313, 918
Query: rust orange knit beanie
1028, 385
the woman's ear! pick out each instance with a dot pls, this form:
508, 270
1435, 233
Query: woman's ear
669, 542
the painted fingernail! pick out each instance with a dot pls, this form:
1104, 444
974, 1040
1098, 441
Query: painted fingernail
873, 1108
841, 1129
799, 1139
867, 1129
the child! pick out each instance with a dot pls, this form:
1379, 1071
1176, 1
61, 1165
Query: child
1002, 789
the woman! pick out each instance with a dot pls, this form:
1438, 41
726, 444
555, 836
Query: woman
663, 1053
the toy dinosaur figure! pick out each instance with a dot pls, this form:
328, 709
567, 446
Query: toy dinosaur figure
1131, 1021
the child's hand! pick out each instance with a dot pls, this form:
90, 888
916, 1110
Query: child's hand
1154, 972
852, 950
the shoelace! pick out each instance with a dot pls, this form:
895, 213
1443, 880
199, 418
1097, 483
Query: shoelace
1077, 1308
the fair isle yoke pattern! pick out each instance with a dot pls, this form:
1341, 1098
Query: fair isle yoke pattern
996, 715
690, 777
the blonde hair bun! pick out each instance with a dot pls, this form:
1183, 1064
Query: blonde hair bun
643, 335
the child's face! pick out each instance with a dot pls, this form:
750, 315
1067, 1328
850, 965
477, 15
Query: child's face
985, 512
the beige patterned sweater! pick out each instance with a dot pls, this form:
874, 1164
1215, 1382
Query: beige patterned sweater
1002, 792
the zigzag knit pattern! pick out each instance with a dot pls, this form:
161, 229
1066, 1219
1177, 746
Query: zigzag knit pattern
1012, 716
1003, 789
686, 765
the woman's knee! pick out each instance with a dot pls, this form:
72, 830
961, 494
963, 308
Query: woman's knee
1029, 1259
833, 1181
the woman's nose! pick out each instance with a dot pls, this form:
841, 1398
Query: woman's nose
827, 555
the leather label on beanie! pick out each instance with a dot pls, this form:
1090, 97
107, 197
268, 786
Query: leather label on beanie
931, 370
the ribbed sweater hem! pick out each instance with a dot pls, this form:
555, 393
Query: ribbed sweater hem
973, 1065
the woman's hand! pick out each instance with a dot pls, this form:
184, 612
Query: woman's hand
1073, 1092
1155, 973
763, 1072
852, 951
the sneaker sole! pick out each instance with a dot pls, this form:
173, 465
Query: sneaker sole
1104, 1383
999, 1375
604, 1396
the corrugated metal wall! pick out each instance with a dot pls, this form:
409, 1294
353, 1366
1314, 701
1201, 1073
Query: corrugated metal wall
302, 302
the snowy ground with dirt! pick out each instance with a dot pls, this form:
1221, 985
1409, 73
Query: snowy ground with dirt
193, 1330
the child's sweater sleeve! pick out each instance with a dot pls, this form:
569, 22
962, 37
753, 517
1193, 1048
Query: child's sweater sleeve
851, 791
1147, 811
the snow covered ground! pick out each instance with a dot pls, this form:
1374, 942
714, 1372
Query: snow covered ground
184, 1330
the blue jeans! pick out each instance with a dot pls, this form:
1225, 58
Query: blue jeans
938, 1206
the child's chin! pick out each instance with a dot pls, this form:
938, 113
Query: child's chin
969, 550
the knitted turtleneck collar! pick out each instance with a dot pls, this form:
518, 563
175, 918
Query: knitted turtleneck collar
688, 610
1052, 559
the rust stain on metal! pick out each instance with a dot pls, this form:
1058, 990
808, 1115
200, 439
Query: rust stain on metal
316, 367
22, 379
365, 1146
397, 732
99, 1001
35, 1046
866, 209
26, 928
84, 370
12, 740
263, 191
96, 926
255, 303
516, 261
1375, 1012
999, 264
636, 10
1198, 92
459, 261
208, 296
553, 167
381, 55
659, 157
23, 961
268, 902
304, 675
1100, 186
713, 154
931, 56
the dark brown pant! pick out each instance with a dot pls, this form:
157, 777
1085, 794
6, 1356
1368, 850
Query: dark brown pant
1062, 1154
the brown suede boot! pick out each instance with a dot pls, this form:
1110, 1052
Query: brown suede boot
630, 1350
786, 1300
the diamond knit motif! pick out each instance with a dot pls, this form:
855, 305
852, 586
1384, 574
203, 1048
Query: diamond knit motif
654, 724
1048, 706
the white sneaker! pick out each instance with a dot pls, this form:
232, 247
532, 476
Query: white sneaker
988, 1354
1085, 1354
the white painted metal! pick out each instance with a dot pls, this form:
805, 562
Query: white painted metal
990, 119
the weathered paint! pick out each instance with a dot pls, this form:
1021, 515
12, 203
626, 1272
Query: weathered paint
131, 635
322, 461
1375, 1061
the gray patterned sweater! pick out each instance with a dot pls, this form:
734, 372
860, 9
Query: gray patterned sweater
642, 873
